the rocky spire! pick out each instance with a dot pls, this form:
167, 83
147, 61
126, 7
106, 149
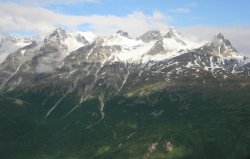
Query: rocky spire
222, 46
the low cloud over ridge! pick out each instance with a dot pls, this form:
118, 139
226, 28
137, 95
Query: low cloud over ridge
16, 17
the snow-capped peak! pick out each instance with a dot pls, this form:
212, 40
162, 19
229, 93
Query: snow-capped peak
71, 41
57, 36
172, 33
121, 40
74, 41
173, 42
150, 46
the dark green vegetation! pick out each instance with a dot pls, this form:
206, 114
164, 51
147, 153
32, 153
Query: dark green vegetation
200, 123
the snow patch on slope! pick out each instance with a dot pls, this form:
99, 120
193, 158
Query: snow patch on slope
132, 50
121, 41
174, 42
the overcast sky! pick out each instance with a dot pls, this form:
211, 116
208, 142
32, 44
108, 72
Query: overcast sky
198, 19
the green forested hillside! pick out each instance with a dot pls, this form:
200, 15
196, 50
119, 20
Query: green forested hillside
174, 123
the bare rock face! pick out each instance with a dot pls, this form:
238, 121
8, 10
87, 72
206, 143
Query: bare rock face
150, 36
152, 148
169, 146
19, 102
123, 33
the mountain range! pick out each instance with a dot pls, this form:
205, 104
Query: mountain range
160, 95
106, 65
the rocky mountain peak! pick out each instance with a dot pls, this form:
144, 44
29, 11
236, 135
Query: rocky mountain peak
172, 33
122, 33
78, 38
56, 36
150, 36
220, 36
221, 40
176, 36
222, 46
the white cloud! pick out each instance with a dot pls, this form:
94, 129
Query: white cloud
135, 23
16, 17
180, 10
44, 68
238, 35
